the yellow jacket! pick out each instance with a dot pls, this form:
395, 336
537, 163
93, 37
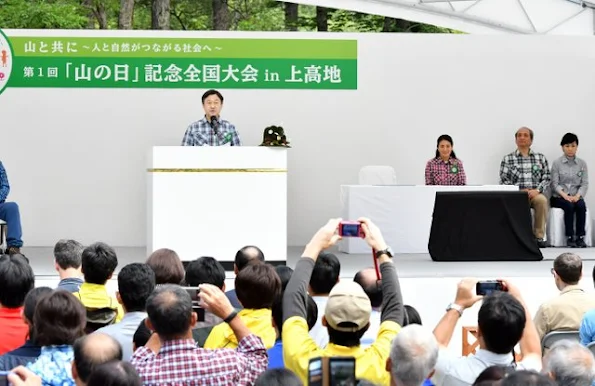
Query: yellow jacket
259, 322
95, 296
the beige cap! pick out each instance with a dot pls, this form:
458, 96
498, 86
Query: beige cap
347, 302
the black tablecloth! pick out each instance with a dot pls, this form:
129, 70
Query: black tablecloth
482, 226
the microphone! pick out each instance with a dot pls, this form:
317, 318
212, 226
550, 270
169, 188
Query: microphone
215, 125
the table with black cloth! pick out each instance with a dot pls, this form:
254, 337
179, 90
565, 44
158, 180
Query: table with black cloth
482, 226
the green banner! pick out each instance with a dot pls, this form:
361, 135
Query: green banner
120, 62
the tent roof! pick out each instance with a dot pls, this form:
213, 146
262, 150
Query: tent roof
560, 17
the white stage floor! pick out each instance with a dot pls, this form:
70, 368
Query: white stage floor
408, 265
427, 285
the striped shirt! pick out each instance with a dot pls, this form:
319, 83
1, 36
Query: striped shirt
451, 172
531, 172
202, 133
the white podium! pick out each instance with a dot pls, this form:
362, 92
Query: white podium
212, 201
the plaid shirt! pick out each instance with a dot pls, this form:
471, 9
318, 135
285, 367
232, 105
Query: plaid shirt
201, 133
530, 172
4, 186
180, 362
439, 172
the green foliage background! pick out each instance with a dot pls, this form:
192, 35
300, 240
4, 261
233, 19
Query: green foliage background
243, 15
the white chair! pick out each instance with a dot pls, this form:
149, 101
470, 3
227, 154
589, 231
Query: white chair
2, 236
556, 228
377, 175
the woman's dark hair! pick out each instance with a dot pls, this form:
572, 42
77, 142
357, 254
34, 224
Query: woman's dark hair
114, 373
447, 138
167, 266
31, 301
59, 319
569, 138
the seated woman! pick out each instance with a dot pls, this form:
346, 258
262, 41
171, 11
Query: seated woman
570, 181
445, 168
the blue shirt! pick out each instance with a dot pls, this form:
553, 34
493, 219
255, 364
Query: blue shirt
587, 329
54, 366
4, 186
276, 356
201, 133
70, 284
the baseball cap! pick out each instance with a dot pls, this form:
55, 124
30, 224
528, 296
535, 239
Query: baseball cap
347, 302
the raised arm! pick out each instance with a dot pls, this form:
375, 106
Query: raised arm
4, 185
464, 299
530, 342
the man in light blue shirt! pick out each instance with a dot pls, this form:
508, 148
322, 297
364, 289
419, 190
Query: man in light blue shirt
68, 259
136, 282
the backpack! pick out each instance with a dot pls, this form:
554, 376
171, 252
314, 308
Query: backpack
99, 317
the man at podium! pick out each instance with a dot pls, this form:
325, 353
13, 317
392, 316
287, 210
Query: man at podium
211, 130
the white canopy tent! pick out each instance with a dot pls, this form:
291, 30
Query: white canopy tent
556, 17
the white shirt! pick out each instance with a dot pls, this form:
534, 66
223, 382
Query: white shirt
372, 332
319, 333
452, 370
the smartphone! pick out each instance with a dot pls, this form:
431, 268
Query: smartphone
315, 372
200, 312
350, 229
4, 378
487, 287
342, 371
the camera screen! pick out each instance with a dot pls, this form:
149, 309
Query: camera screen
315, 372
342, 371
350, 230
488, 288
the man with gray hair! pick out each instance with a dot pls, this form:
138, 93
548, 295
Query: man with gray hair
67, 261
570, 364
565, 312
413, 355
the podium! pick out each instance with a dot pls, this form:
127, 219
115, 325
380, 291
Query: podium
212, 201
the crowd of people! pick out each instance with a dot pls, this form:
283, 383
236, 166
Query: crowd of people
173, 325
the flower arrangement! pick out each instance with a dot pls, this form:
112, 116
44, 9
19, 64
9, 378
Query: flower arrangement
274, 136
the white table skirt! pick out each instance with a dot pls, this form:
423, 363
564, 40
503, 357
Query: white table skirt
403, 213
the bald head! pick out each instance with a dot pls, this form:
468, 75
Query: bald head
366, 278
93, 350
247, 255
